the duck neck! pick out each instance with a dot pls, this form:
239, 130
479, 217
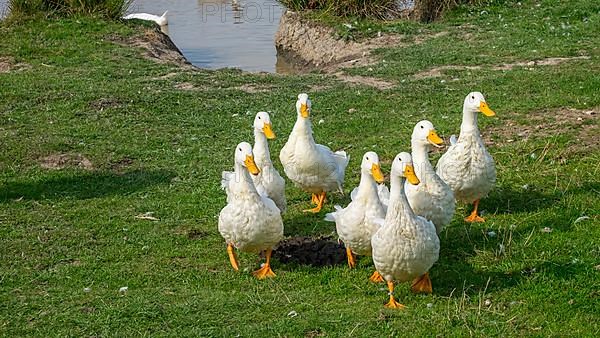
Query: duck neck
469, 122
398, 206
420, 155
367, 185
302, 126
261, 149
243, 179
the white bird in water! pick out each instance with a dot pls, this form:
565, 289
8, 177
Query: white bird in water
160, 20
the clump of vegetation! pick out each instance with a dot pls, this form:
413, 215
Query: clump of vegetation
377, 9
105, 8
423, 10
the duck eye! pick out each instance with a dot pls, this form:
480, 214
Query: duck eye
422, 127
472, 97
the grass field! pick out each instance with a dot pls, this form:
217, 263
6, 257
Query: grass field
136, 136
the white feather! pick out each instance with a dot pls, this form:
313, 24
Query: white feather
159, 20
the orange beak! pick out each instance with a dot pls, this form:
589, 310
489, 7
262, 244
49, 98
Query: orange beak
268, 131
434, 139
409, 173
252, 168
376, 172
483, 107
304, 110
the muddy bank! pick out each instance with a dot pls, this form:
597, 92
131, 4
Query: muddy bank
308, 45
157, 46
311, 45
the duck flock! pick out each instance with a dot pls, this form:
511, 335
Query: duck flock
398, 226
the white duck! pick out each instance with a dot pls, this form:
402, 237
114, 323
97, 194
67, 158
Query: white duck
357, 223
268, 182
249, 222
406, 245
467, 166
432, 198
159, 20
312, 167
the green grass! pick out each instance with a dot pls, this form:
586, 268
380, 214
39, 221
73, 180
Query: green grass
159, 149
112, 9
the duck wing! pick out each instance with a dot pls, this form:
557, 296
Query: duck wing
226, 178
384, 195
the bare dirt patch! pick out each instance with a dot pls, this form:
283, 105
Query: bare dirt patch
318, 88
365, 80
8, 64
104, 103
254, 88
195, 234
87, 309
62, 161
185, 86
312, 251
166, 76
5, 66
438, 71
581, 124
542, 62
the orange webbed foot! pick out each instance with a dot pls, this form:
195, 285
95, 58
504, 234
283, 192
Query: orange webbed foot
422, 284
376, 277
319, 200
264, 272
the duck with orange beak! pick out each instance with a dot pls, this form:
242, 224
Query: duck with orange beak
311, 166
249, 222
406, 245
467, 166
268, 182
432, 198
357, 222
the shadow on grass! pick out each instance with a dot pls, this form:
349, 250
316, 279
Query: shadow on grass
506, 200
455, 274
79, 185
588, 188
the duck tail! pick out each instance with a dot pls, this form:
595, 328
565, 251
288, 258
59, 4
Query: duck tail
226, 177
384, 194
162, 20
330, 217
341, 159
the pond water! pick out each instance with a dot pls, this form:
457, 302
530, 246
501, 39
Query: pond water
219, 33
222, 33
3, 8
